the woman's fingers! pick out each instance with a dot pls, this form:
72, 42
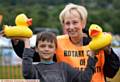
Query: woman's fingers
2, 33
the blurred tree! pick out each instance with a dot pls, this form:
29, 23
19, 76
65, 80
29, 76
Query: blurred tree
45, 13
116, 4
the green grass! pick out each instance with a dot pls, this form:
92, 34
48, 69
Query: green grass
15, 72
10, 72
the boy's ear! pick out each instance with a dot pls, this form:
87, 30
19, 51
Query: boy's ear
36, 49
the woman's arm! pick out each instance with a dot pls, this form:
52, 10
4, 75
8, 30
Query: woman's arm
19, 48
112, 63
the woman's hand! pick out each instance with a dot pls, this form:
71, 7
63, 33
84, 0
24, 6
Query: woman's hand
107, 49
92, 53
2, 33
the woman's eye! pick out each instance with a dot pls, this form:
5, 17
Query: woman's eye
75, 22
67, 23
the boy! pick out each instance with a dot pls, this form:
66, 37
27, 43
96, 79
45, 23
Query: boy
47, 70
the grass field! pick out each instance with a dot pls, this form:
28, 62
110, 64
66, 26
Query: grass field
15, 72
10, 72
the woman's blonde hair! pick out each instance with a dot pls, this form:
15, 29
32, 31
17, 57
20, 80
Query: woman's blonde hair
80, 9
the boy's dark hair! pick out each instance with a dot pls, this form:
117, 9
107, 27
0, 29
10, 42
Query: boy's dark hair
46, 36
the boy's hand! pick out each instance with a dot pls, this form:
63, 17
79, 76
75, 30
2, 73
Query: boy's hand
26, 42
15, 41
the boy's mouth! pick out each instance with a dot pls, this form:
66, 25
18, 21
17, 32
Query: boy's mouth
46, 53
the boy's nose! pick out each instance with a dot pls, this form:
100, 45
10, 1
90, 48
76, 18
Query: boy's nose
46, 48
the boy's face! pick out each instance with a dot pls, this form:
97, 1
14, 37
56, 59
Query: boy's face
46, 49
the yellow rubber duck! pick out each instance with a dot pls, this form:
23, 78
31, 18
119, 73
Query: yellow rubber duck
21, 29
99, 39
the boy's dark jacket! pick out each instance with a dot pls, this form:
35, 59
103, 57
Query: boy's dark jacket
55, 72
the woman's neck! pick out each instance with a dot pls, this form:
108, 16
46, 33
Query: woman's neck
78, 41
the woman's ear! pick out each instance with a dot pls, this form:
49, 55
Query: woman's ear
64, 29
83, 23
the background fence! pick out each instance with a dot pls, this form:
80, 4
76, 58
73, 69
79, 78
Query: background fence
11, 64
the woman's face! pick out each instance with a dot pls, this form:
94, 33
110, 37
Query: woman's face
72, 24
46, 49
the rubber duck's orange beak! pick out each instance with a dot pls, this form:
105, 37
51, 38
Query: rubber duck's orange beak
29, 22
94, 33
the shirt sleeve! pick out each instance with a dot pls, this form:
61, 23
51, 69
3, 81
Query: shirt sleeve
82, 76
18, 48
27, 66
111, 65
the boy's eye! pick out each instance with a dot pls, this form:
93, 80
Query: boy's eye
42, 46
50, 46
